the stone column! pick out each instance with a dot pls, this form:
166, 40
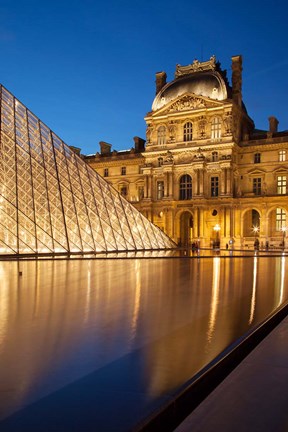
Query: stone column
201, 181
222, 181
228, 179
146, 186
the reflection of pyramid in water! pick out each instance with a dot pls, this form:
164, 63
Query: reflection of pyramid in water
52, 201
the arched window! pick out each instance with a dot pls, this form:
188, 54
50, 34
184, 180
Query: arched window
216, 128
187, 131
185, 187
161, 135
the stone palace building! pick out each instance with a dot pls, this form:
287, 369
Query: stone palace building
204, 173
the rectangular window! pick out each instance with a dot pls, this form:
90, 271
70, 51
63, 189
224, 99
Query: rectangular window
160, 190
280, 219
214, 186
257, 186
257, 157
282, 155
216, 128
124, 191
123, 171
281, 185
106, 172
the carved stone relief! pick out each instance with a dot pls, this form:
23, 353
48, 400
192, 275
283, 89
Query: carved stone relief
202, 127
187, 102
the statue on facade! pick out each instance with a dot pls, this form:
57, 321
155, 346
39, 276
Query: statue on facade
169, 157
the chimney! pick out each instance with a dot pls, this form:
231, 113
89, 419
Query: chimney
273, 124
139, 144
237, 79
105, 148
160, 81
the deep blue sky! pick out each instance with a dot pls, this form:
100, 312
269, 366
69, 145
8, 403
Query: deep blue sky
87, 68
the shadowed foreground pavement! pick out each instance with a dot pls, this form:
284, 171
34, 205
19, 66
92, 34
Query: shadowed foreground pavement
254, 397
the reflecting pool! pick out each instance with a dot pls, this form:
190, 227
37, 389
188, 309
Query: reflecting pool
103, 343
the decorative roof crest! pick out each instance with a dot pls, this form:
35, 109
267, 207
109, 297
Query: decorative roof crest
196, 66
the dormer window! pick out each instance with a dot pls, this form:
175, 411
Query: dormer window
161, 135
216, 128
187, 131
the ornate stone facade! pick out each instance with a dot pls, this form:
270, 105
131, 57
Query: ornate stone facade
206, 174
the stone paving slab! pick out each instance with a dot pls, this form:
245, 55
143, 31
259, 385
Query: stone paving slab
254, 397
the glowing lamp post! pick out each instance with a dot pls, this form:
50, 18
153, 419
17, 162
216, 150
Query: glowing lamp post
256, 240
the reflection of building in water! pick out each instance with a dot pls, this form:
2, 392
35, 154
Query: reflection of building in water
205, 163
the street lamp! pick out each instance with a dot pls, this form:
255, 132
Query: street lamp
217, 229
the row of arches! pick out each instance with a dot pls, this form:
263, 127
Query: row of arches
251, 224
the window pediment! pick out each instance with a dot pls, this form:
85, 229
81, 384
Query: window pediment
256, 172
281, 170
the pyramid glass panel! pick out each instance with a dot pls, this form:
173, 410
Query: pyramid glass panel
52, 202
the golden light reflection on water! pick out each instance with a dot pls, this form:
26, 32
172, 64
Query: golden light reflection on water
215, 297
253, 297
61, 320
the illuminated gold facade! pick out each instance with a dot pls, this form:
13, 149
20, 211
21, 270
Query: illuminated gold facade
52, 202
206, 175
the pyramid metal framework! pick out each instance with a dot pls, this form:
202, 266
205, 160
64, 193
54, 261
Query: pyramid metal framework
51, 201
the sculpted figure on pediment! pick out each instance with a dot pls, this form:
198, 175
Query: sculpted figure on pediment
187, 102
169, 158
199, 155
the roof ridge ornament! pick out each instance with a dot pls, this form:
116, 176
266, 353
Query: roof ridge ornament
196, 66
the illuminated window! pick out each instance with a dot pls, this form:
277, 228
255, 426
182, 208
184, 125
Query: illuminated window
185, 187
160, 190
282, 155
280, 219
214, 186
257, 157
161, 135
187, 131
216, 128
214, 156
106, 172
281, 185
257, 186
123, 171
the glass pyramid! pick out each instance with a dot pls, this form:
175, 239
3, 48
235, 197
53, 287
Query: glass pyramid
51, 201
